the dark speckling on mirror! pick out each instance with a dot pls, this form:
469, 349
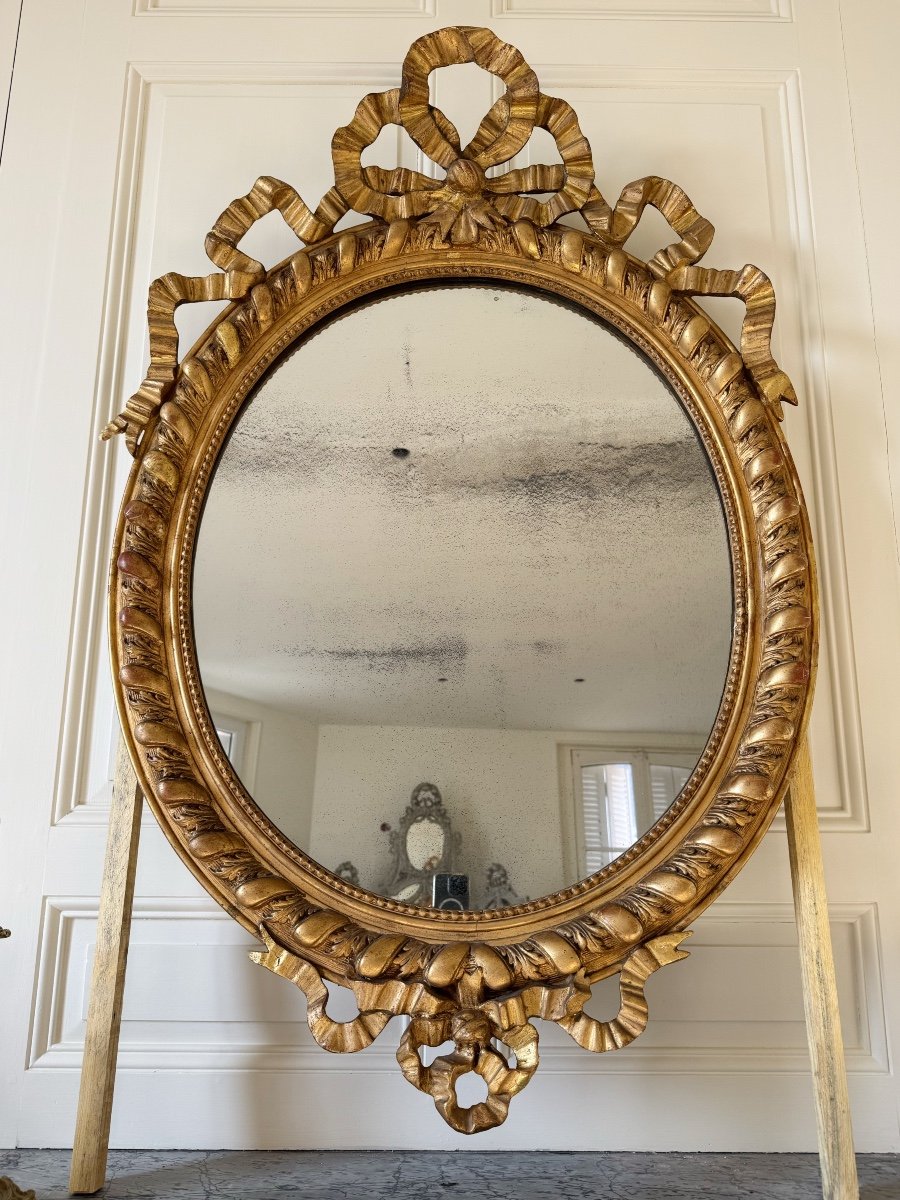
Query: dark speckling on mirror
451, 534
443, 652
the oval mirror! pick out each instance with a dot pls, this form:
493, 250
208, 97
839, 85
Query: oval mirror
469, 535
464, 639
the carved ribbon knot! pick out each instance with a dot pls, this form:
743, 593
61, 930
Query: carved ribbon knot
467, 198
464, 996
465, 205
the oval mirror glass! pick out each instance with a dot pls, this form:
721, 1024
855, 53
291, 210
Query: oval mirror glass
463, 595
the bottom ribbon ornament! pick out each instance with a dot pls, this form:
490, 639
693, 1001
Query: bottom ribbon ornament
478, 1024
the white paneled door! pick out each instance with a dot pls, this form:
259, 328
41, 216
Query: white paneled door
131, 126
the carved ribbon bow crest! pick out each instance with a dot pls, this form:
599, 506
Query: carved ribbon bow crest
467, 206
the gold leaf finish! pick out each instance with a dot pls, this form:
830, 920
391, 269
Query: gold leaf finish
474, 1020
470, 977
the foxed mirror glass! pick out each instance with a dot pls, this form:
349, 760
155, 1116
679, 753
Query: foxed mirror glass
467, 535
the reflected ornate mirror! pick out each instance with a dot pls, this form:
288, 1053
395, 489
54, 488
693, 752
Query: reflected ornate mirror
465, 493
422, 846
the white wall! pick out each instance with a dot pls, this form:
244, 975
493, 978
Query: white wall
500, 787
280, 760
131, 127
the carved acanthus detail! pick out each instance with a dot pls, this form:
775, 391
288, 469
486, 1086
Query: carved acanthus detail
235, 863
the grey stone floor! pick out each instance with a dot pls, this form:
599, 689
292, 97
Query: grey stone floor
466, 1175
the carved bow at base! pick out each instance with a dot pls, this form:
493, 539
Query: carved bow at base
474, 1021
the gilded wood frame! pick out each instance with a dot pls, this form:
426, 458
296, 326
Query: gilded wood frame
475, 976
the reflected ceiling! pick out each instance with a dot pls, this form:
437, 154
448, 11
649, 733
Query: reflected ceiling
466, 507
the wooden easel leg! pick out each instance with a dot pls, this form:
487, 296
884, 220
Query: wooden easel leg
101, 1043
823, 1026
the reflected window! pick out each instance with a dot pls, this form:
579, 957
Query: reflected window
226, 737
232, 734
618, 795
607, 812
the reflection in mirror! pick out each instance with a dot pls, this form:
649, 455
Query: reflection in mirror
424, 844
466, 535
618, 798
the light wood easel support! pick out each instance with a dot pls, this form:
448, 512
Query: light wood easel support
101, 1043
839, 1179
823, 1022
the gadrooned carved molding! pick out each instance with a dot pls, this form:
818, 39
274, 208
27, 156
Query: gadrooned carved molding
472, 976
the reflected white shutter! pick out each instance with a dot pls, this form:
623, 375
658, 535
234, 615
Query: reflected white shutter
665, 784
607, 792
619, 795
